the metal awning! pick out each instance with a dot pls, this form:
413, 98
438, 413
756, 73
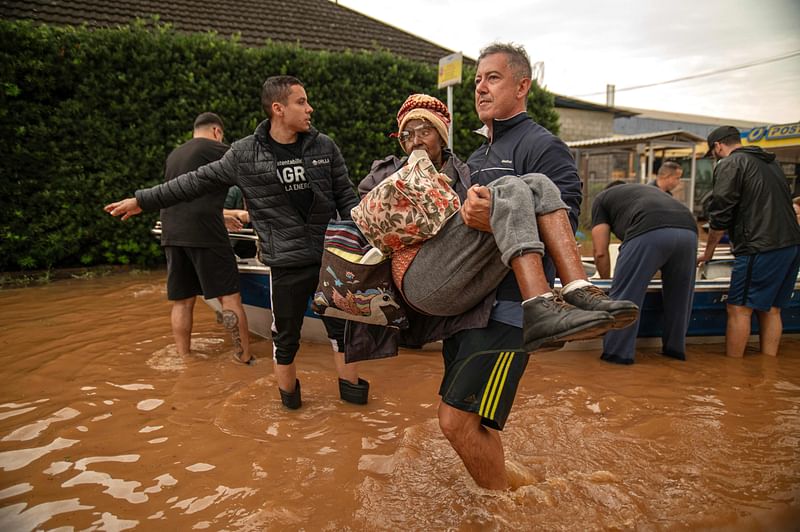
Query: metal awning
644, 145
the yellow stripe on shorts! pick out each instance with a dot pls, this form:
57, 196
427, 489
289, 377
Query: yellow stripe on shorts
494, 388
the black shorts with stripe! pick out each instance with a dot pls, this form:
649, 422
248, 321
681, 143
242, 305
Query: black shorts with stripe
482, 371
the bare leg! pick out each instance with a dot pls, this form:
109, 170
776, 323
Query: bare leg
770, 326
286, 375
479, 448
737, 331
240, 332
181, 319
348, 372
559, 241
529, 271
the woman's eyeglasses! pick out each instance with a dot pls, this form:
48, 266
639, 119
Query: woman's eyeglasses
423, 132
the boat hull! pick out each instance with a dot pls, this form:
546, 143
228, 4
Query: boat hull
254, 288
707, 322
709, 311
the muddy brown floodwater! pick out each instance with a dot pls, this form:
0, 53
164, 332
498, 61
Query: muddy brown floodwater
104, 427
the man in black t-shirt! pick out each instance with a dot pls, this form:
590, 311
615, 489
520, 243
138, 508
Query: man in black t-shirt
200, 260
658, 233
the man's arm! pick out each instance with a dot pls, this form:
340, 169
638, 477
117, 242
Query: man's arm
557, 163
127, 208
235, 219
601, 236
209, 178
725, 197
714, 236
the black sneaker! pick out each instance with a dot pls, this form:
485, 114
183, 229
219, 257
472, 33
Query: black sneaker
593, 298
550, 322
292, 400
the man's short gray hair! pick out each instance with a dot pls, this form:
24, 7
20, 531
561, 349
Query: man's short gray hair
518, 59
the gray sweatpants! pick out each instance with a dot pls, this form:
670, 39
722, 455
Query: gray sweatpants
460, 266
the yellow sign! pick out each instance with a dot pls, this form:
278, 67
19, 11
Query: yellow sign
450, 70
773, 135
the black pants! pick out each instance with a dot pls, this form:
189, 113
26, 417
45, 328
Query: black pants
290, 290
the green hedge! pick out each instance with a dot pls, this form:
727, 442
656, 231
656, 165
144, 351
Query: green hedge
88, 116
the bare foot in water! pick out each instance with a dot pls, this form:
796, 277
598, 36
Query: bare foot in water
230, 321
519, 475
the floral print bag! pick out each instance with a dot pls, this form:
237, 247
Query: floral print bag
408, 207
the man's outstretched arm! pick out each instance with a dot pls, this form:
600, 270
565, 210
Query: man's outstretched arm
126, 208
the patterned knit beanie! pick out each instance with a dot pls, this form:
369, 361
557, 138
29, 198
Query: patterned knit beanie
427, 108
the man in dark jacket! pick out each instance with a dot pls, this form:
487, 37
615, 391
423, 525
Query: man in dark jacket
475, 359
752, 202
199, 258
294, 180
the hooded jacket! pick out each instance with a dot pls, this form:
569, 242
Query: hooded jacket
751, 200
287, 239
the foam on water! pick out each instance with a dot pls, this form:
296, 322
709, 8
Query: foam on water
197, 504
132, 387
19, 458
15, 517
13, 491
33, 430
149, 404
109, 521
200, 467
12, 413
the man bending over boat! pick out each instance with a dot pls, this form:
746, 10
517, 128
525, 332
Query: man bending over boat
275, 168
658, 233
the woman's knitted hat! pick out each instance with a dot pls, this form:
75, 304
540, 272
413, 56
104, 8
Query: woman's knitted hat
427, 108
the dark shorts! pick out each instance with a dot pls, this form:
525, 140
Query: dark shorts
207, 272
482, 368
764, 280
290, 290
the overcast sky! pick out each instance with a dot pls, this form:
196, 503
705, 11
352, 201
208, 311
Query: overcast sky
586, 44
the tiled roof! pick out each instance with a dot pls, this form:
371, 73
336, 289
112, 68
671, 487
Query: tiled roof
313, 24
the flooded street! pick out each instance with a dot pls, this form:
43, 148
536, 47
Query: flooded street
104, 427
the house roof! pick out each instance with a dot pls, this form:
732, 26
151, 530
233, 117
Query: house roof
677, 135
692, 119
313, 24
574, 103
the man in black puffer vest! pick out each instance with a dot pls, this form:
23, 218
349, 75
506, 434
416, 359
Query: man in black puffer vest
294, 180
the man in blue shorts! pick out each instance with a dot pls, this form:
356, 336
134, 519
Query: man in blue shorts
752, 202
